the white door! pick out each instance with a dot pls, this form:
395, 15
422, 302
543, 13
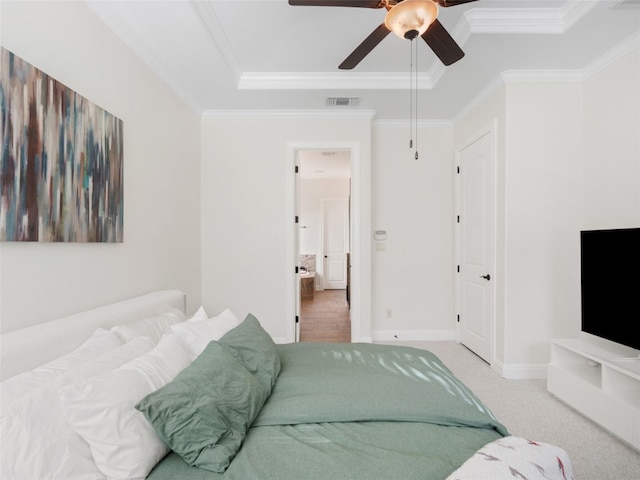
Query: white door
335, 228
475, 245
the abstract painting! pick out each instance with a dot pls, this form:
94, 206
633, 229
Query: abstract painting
61, 170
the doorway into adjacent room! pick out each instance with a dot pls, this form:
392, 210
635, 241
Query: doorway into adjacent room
324, 244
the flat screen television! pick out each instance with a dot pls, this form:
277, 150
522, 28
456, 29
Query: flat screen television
610, 276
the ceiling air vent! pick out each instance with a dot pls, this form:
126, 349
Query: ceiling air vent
342, 101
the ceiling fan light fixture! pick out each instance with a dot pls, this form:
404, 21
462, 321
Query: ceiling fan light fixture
411, 18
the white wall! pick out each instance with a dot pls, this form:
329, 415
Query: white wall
41, 281
413, 277
244, 221
611, 186
248, 258
543, 199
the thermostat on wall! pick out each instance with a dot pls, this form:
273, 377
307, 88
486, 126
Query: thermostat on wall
380, 235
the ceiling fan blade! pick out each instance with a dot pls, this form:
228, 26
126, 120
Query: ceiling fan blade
365, 47
338, 3
453, 3
442, 44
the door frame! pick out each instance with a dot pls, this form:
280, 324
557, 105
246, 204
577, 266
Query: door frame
360, 289
490, 129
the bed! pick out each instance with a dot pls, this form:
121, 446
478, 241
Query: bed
141, 391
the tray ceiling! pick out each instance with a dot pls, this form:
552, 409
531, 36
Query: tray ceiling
248, 56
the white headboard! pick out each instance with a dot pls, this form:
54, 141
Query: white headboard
29, 347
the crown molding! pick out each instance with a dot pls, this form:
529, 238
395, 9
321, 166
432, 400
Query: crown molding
486, 92
557, 76
285, 114
213, 26
629, 45
332, 80
542, 76
527, 20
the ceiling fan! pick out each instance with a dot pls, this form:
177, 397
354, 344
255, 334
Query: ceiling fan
407, 19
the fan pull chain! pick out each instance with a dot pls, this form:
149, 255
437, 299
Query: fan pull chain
416, 81
411, 95
413, 84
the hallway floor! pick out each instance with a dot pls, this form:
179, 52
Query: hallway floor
325, 318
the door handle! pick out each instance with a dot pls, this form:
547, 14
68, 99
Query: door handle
486, 277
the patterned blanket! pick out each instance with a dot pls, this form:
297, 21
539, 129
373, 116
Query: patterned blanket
516, 458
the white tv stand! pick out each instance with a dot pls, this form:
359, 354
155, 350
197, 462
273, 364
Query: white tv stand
600, 383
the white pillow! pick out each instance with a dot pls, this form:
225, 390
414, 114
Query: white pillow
195, 336
199, 315
152, 327
37, 441
102, 411
14, 388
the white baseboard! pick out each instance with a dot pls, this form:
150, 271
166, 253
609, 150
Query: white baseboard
520, 371
413, 335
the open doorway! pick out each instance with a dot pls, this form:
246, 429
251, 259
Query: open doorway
324, 244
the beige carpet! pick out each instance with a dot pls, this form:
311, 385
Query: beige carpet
528, 410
